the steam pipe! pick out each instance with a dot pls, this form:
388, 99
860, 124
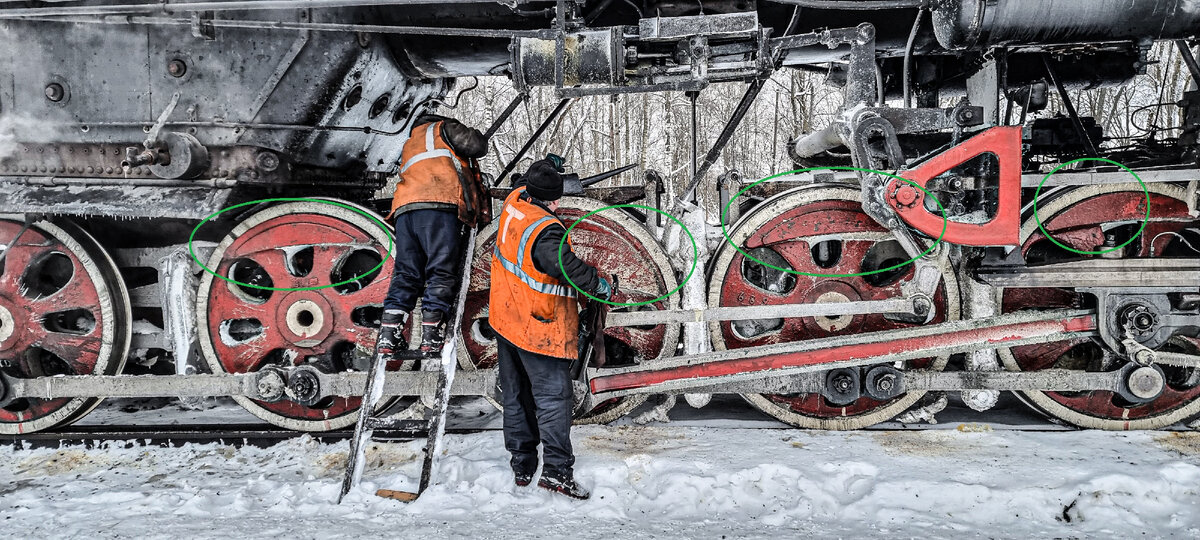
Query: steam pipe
965, 24
596, 179
814, 143
908, 51
285, 25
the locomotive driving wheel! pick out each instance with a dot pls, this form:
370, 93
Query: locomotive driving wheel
816, 230
63, 311
296, 245
614, 242
1085, 218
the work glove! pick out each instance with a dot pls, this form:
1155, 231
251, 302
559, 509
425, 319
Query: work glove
603, 289
557, 161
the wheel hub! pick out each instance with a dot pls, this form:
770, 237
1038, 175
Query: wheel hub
1140, 320
833, 292
303, 318
1145, 383
7, 327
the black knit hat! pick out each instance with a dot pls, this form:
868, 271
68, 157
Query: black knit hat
543, 182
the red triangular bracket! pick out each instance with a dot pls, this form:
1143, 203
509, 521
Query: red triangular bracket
1001, 230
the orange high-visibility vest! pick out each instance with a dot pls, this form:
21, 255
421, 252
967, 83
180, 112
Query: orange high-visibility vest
529, 308
430, 172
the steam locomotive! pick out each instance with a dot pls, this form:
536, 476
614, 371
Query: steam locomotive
191, 189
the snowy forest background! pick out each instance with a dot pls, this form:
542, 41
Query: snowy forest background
596, 134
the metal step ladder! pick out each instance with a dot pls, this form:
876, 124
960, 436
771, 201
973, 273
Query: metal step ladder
434, 426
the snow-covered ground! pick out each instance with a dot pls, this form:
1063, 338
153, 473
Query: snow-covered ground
666, 480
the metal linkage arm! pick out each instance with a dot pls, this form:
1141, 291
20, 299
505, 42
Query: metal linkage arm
1002, 230
303, 384
784, 359
741, 313
1047, 380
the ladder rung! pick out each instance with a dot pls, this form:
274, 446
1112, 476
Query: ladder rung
397, 424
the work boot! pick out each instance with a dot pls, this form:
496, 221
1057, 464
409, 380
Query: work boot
522, 478
563, 483
433, 333
391, 334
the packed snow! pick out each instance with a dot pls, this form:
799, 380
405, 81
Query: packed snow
664, 480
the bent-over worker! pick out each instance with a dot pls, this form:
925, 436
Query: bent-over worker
438, 192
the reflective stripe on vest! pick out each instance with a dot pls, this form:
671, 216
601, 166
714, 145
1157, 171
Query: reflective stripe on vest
431, 151
431, 172
545, 288
528, 307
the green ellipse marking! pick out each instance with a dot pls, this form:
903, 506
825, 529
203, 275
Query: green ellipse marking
695, 254
725, 230
382, 226
1038, 219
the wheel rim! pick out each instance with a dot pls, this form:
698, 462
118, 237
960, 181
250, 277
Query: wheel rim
607, 240
63, 311
1080, 217
295, 245
820, 230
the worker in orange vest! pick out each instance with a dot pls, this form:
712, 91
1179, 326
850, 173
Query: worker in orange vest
535, 314
438, 193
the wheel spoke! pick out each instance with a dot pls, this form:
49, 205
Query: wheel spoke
15, 262
326, 258
77, 351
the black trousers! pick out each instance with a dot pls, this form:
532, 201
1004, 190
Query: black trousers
428, 245
537, 408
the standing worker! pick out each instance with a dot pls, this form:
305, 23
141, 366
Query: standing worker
535, 314
438, 192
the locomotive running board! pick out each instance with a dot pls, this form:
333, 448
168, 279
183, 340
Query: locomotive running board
717, 369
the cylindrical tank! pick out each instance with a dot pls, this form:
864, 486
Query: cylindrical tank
965, 24
592, 57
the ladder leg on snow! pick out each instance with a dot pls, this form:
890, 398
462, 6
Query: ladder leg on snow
436, 427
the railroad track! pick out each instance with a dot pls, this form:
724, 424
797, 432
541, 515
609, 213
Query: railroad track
237, 435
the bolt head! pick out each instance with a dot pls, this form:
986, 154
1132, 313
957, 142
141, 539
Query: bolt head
921, 306
1145, 382
906, 195
55, 92
267, 161
176, 68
